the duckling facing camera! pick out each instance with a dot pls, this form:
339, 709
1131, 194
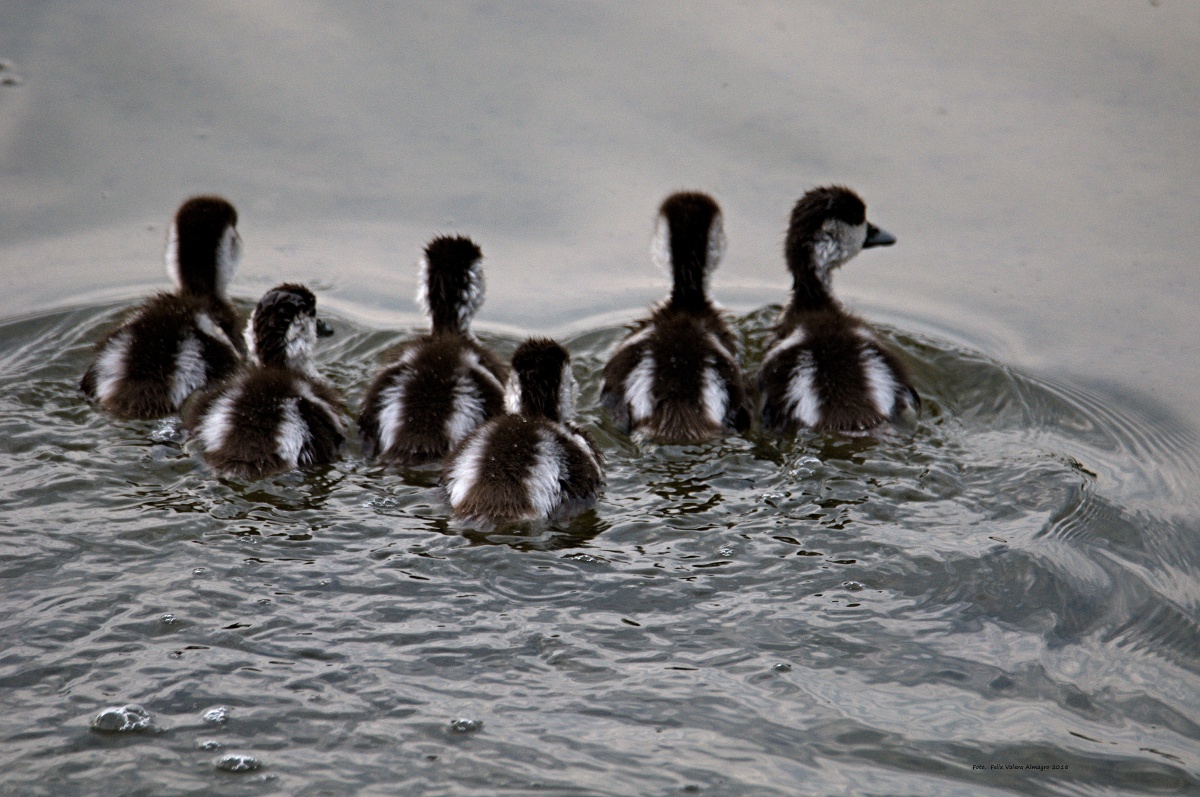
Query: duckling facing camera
532, 462
277, 413
176, 343
437, 388
826, 369
676, 377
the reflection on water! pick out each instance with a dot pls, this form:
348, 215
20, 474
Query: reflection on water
1010, 581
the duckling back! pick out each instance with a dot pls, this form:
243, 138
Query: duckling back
433, 394
265, 421
167, 349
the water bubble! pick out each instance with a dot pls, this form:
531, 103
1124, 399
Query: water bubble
167, 431
238, 762
122, 719
168, 619
199, 571
216, 715
464, 725
209, 744
725, 551
781, 667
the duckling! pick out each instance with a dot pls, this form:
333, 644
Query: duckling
175, 344
676, 376
277, 413
532, 462
825, 368
438, 388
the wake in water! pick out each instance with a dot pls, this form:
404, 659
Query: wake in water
1020, 564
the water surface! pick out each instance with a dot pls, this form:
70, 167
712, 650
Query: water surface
1003, 599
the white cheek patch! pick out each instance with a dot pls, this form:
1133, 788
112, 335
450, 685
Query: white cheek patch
301, 342
512, 394
639, 389
218, 421
110, 366
714, 396
881, 382
836, 243
172, 256
464, 473
190, 371
423, 285
660, 246
248, 337
716, 244
544, 482
566, 394
291, 433
229, 257
802, 395
472, 297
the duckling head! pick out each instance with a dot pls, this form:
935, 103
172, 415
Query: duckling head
541, 383
450, 285
283, 328
689, 239
203, 246
827, 228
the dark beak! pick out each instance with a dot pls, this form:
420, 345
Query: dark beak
324, 328
878, 237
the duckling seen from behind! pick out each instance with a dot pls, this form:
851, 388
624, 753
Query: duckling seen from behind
176, 343
532, 462
676, 376
438, 388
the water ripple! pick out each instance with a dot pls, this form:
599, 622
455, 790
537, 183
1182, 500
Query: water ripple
1012, 582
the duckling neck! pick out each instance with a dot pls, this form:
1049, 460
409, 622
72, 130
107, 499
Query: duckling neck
688, 292
809, 291
449, 320
539, 408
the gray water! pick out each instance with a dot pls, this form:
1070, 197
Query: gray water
1003, 599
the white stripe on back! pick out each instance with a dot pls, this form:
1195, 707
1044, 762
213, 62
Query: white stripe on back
467, 409
391, 416
110, 365
291, 434
639, 389
881, 382
218, 421
795, 338
802, 395
714, 396
544, 481
190, 373
464, 473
